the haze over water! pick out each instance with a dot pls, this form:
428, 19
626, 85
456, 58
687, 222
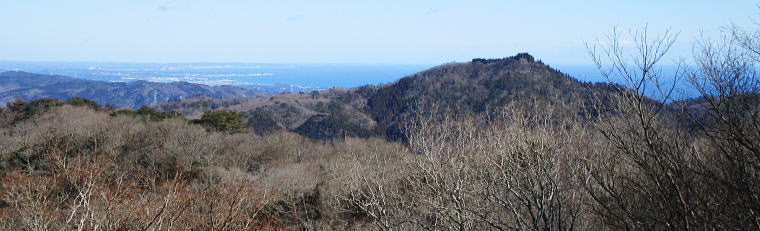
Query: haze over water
311, 76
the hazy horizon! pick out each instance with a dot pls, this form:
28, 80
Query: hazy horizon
304, 77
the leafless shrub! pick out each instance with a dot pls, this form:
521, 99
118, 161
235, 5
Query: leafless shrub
516, 172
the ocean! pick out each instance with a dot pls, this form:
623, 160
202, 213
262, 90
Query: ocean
263, 76
285, 76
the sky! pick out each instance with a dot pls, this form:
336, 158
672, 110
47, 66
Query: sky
350, 31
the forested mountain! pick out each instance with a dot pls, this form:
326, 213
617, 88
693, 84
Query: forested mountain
29, 86
669, 141
484, 86
477, 87
486, 144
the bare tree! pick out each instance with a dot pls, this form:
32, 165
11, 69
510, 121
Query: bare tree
665, 167
516, 172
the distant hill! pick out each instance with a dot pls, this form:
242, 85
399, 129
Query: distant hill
30, 86
485, 86
478, 86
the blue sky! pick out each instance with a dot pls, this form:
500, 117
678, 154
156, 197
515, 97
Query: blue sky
352, 31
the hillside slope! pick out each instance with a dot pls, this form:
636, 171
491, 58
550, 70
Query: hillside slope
479, 86
29, 86
485, 86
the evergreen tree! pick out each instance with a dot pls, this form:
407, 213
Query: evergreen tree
222, 120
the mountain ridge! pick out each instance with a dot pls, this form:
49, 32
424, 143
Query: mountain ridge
478, 86
30, 86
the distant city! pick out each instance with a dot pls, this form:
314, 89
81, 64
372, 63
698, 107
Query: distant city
273, 78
